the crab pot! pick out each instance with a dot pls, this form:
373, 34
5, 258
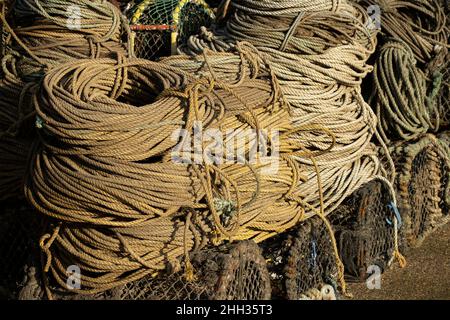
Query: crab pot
160, 26
229, 272
420, 171
364, 229
18, 239
302, 263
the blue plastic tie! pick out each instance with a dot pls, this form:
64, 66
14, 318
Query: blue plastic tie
394, 208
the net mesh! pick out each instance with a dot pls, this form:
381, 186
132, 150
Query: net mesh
19, 229
310, 261
236, 272
419, 165
275, 251
364, 231
155, 23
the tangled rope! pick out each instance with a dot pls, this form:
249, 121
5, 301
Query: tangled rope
421, 24
52, 32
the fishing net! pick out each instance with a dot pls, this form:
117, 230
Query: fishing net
275, 251
306, 260
364, 229
18, 237
420, 170
160, 26
228, 272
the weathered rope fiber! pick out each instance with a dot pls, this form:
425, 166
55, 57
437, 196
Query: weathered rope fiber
41, 39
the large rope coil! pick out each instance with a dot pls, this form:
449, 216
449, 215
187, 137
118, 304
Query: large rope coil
401, 100
128, 204
50, 32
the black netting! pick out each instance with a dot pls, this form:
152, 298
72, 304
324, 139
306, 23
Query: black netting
275, 251
228, 272
247, 277
444, 192
310, 260
160, 26
19, 229
364, 229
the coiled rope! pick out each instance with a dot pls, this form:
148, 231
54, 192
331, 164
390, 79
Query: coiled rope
140, 206
400, 97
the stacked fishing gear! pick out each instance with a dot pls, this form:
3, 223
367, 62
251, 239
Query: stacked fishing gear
298, 45
319, 53
38, 35
410, 98
146, 173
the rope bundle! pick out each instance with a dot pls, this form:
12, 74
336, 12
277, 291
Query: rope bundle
42, 40
52, 32
318, 52
129, 213
400, 96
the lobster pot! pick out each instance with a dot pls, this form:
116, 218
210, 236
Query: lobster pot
160, 26
19, 228
421, 166
302, 264
364, 229
228, 272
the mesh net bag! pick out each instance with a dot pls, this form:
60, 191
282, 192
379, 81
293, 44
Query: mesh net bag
302, 264
160, 26
421, 168
228, 272
364, 230
19, 229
